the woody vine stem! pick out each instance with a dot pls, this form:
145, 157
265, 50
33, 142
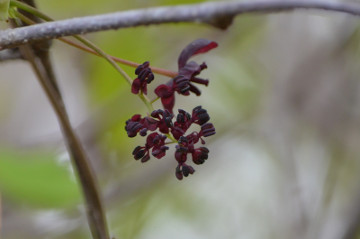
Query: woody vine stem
217, 14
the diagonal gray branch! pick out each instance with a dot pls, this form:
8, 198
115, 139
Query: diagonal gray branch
218, 14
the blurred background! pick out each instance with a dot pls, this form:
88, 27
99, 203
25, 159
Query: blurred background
284, 96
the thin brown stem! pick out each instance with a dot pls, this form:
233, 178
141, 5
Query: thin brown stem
96, 49
157, 70
95, 212
32, 15
42, 67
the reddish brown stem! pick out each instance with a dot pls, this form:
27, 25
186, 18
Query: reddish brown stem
157, 70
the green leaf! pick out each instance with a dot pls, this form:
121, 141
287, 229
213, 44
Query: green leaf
4, 8
37, 179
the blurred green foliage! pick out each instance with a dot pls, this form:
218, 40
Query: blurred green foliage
37, 179
4, 7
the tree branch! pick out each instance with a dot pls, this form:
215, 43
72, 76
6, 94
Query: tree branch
38, 57
218, 14
95, 212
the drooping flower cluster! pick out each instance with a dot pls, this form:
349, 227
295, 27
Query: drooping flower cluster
162, 122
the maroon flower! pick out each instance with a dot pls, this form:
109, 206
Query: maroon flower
186, 146
140, 125
181, 85
199, 155
164, 122
207, 130
145, 76
141, 153
166, 94
200, 116
196, 47
133, 125
154, 141
183, 170
188, 71
191, 69
160, 119
183, 122
157, 143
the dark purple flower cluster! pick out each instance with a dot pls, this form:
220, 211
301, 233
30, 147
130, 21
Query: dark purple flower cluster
145, 76
164, 121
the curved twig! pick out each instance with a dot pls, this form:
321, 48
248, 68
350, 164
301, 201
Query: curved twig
38, 57
95, 212
218, 14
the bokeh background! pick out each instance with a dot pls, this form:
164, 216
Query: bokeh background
284, 96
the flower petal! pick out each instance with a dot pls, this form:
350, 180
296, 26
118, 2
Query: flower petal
168, 102
150, 140
166, 93
150, 123
192, 69
135, 86
196, 47
163, 91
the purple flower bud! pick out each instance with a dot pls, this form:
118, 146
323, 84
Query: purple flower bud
159, 152
182, 140
133, 125
186, 170
181, 84
145, 158
138, 152
200, 115
143, 132
181, 154
145, 76
200, 155
177, 132
157, 113
207, 130
178, 173
141, 67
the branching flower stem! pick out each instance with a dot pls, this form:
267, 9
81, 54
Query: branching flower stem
117, 67
157, 70
90, 45
173, 140
154, 100
36, 12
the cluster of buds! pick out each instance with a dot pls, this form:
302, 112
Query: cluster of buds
163, 123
